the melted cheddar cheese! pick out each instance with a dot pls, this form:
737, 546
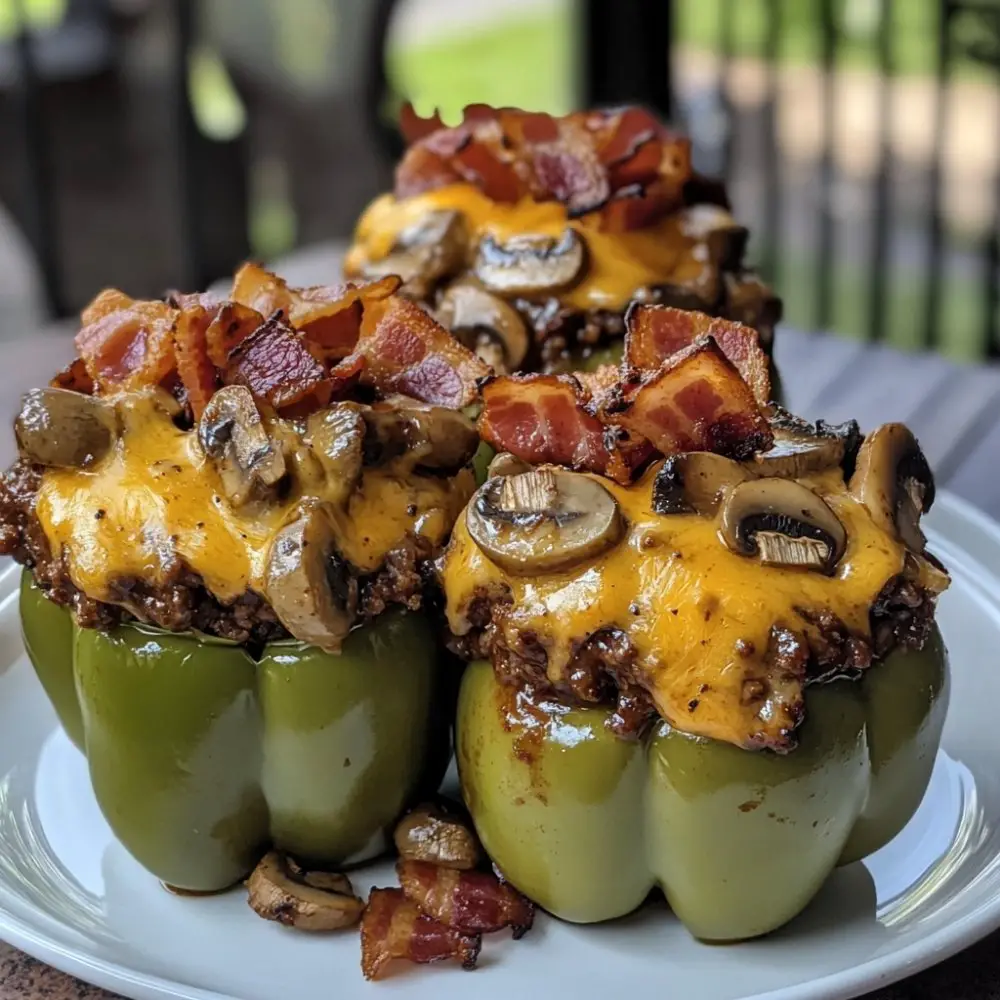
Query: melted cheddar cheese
156, 498
698, 615
617, 264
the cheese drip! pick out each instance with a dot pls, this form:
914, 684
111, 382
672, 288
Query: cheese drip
617, 263
695, 612
155, 498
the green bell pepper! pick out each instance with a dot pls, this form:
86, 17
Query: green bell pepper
586, 824
201, 756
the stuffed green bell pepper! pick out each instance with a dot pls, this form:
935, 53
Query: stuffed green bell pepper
720, 677
224, 593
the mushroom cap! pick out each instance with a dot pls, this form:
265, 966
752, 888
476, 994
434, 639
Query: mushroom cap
434, 437
783, 523
543, 520
529, 264
467, 306
62, 428
801, 447
694, 482
430, 833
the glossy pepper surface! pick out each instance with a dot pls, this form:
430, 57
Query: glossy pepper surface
586, 824
201, 756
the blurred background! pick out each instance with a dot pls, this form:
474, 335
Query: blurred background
152, 144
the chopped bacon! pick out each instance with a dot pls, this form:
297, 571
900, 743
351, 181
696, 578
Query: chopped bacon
468, 901
624, 163
197, 374
655, 333
696, 401
127, 344
75, 378
409, 352
414, 127
392, 927
275, 364
541, 419
233, 324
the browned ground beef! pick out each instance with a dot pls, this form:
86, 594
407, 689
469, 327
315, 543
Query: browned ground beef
180, 602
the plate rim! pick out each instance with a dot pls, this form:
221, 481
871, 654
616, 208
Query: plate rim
844, 984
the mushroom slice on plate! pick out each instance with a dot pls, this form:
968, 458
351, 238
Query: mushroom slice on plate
893, 480
308, 584
62, 428
233, 436
529, 264
432, 833
425, 252
801, 448
783, 523
543, 520
281, 890
494, 327
695, 482
434, 437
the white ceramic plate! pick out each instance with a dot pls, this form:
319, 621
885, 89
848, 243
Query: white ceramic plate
70, 895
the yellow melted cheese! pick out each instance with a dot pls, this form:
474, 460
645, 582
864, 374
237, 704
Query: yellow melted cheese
155, 497
698, 615
618, 263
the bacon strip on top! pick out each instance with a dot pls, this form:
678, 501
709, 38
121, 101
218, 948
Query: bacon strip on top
655, 333
469, 901
696, 401
392, 927
198, 375
407, 351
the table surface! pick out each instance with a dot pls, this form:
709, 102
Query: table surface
955, 412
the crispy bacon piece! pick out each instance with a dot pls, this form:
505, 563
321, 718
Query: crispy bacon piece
125, 343
275, 364
197, 374
229, 328
414, 127
696, 401
541, 419
655, 333
567, 169
75, 378
468, 901
392, 926
407, 351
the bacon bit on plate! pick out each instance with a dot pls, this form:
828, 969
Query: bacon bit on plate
75, 378
696, 401
655, 333
625, 164
468, 901
197, 374
409, 352
275, 364
392, 927
125, 343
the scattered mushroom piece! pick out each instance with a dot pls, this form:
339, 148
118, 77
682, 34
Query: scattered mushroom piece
543, 520
506, 464
434, 437
783, 523
425, 253
233, 436
309, 901
308, 585
335, 436
466, 308
431, 833
893, 480
527, 265
695, 482
714, 226
62, 428
801, 448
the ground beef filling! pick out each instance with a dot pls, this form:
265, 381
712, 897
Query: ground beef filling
602, 667
181, 602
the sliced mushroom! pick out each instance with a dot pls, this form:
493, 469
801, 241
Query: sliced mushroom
783, 523
335, 437
432, 833
714, 226
233, 436
62, 428
543, 520
471, 312
307, 583
893, 480
425, 253
506, 464
309, 901
529, 264
801, 448
434, 437
695, 482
